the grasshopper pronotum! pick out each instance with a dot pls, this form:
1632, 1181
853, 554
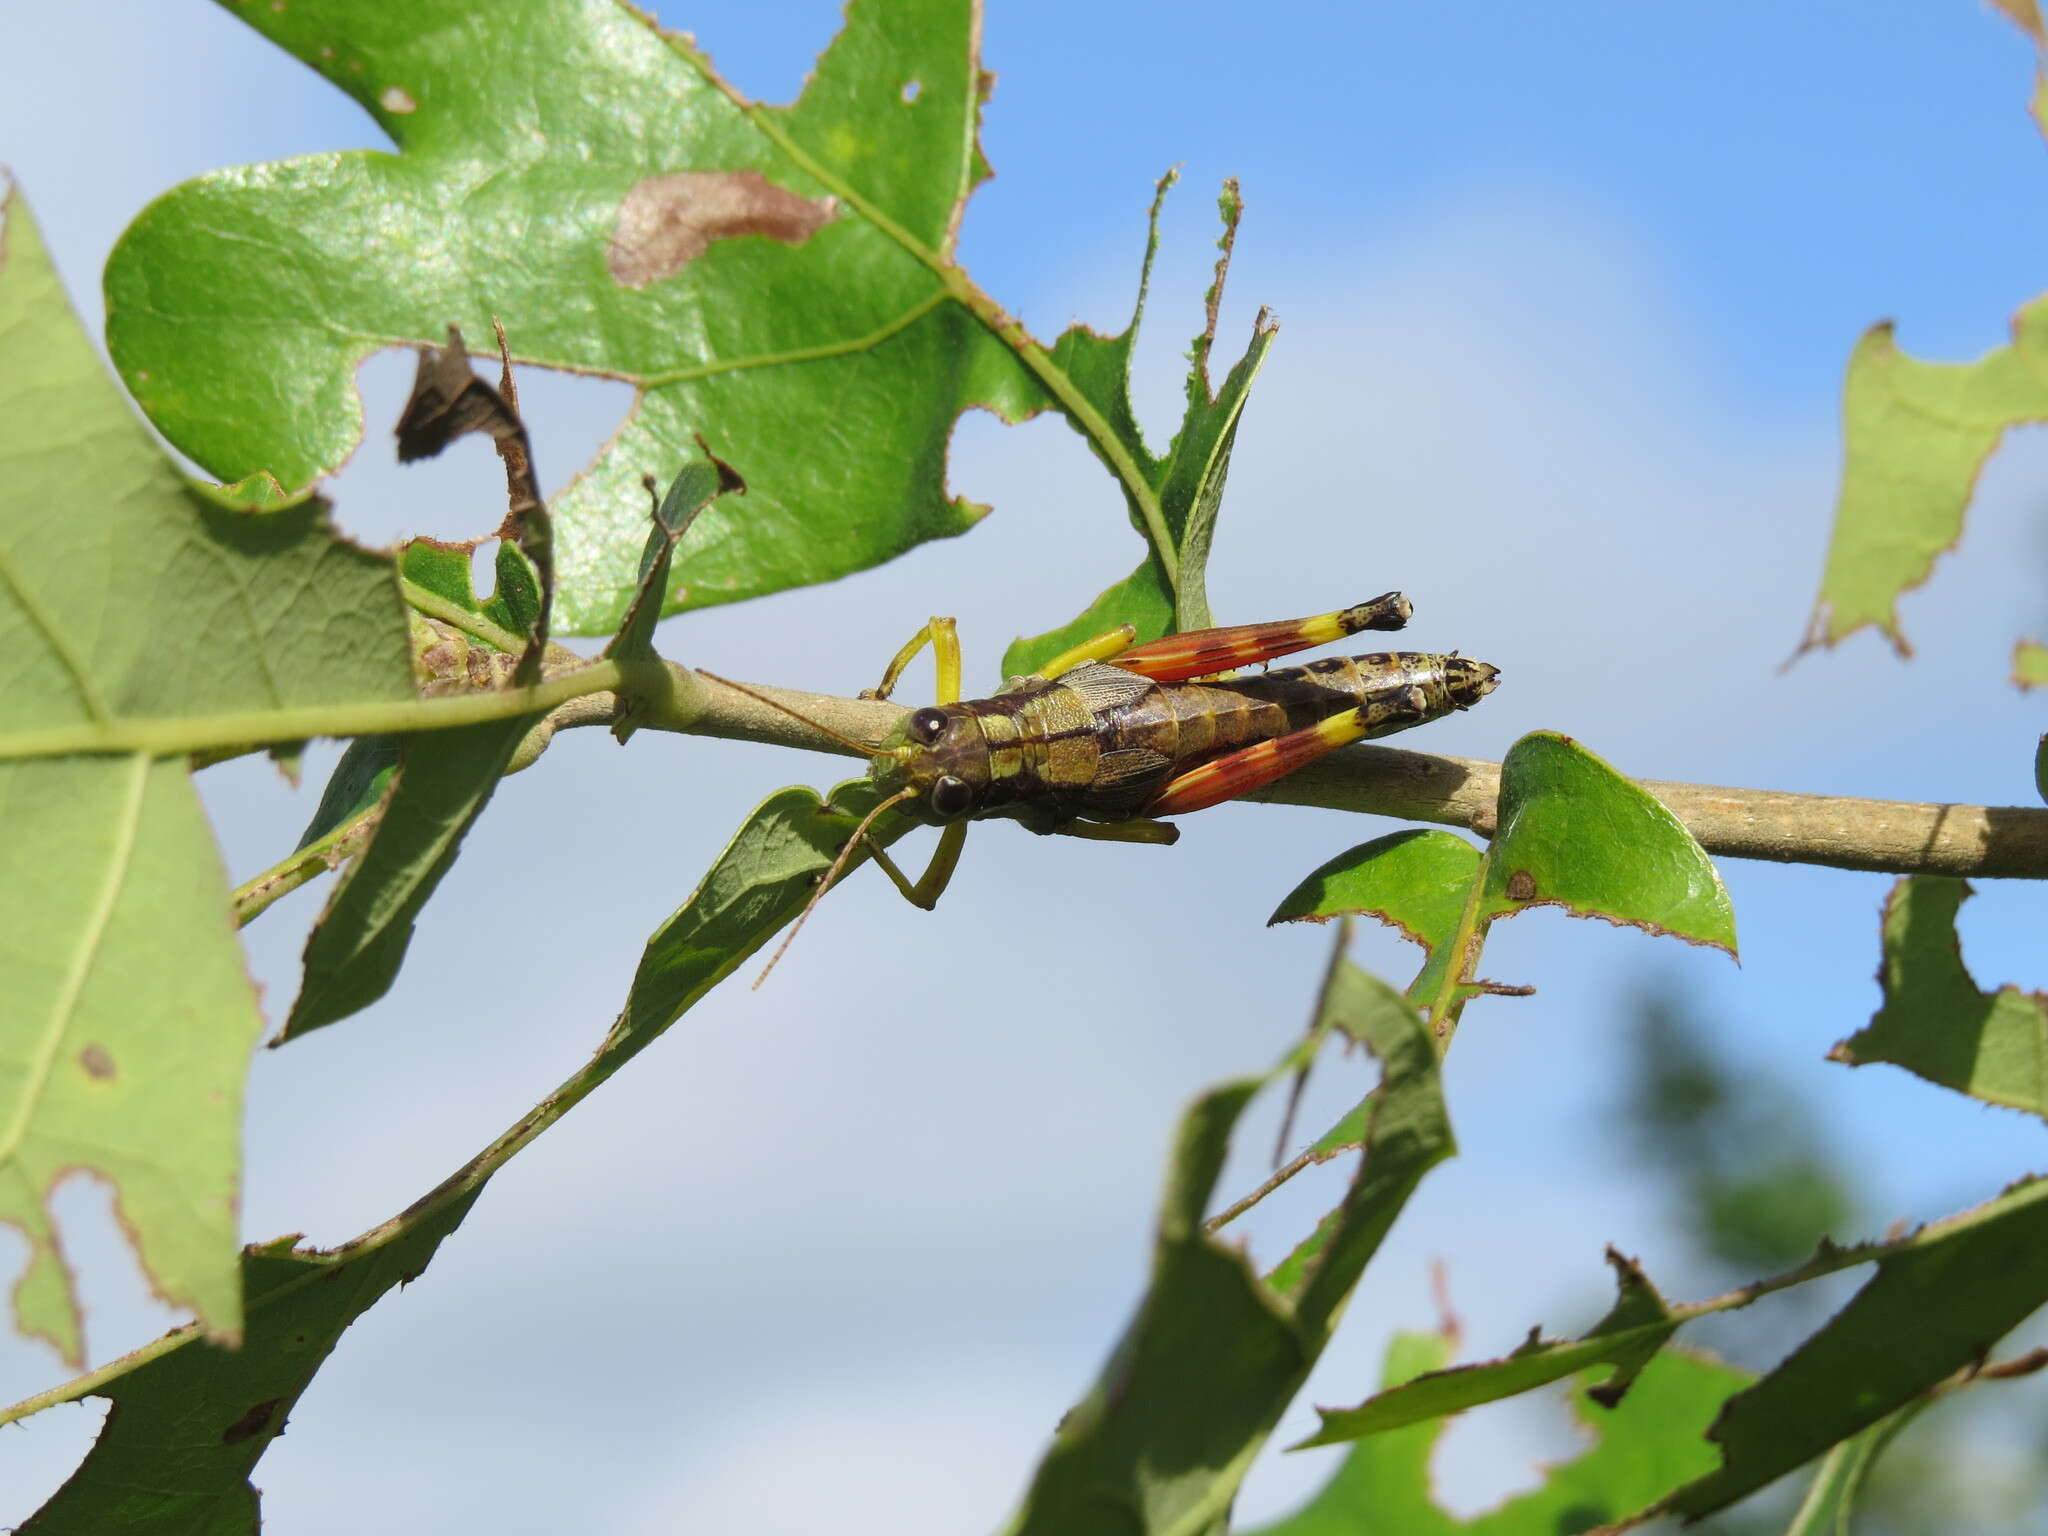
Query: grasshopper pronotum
1108, 737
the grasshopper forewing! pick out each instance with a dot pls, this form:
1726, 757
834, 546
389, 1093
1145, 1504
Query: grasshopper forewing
1111, 736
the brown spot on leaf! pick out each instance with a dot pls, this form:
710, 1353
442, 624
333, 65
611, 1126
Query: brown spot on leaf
1521, 886
97, 1063
667, 222
397, 99
252, 1423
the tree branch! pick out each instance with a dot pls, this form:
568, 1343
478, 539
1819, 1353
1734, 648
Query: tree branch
1889, 836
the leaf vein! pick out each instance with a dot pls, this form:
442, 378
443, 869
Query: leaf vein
128, 828
46, 625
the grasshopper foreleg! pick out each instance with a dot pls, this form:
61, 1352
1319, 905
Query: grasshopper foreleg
937, 875
944, 638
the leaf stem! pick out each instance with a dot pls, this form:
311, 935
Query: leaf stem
255, 895
1279, 1176
1464, 945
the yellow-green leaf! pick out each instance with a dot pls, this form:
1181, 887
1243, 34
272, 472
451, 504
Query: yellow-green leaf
1914, 437
1935, 1022
126, 593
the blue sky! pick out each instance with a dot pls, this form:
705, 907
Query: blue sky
1566, 295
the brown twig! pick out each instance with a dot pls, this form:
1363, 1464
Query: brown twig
1889, 836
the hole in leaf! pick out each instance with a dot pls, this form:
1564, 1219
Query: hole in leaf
912, 89
483, 569
461, 494
40, 1452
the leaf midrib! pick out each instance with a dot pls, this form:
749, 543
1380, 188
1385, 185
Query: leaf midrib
170, 735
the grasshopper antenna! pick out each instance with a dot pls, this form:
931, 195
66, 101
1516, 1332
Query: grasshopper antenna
831, 875
797, 715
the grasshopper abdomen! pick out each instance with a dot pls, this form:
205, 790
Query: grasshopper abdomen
1101, 743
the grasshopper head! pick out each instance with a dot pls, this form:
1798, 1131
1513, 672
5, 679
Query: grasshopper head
941, 755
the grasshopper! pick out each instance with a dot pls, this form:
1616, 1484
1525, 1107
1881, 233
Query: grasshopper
1107, 738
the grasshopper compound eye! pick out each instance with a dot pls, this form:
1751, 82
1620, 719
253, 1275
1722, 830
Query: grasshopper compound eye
926, 727
950, 797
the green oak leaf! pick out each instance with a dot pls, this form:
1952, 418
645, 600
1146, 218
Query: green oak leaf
761, 880
1572, 833
353, 955
189, 1421
1214, 1354
1172, 499
1347, 992
1915, 436
696, 485
1642, 1449
1935, 1022
1403, 1123
1384, 1479
1415, 881
1979, 1273
1633, 1331
779, 280
1575, 834
444, 569
192, 1420
444, 780
1418, 882
362, 777
129, 596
